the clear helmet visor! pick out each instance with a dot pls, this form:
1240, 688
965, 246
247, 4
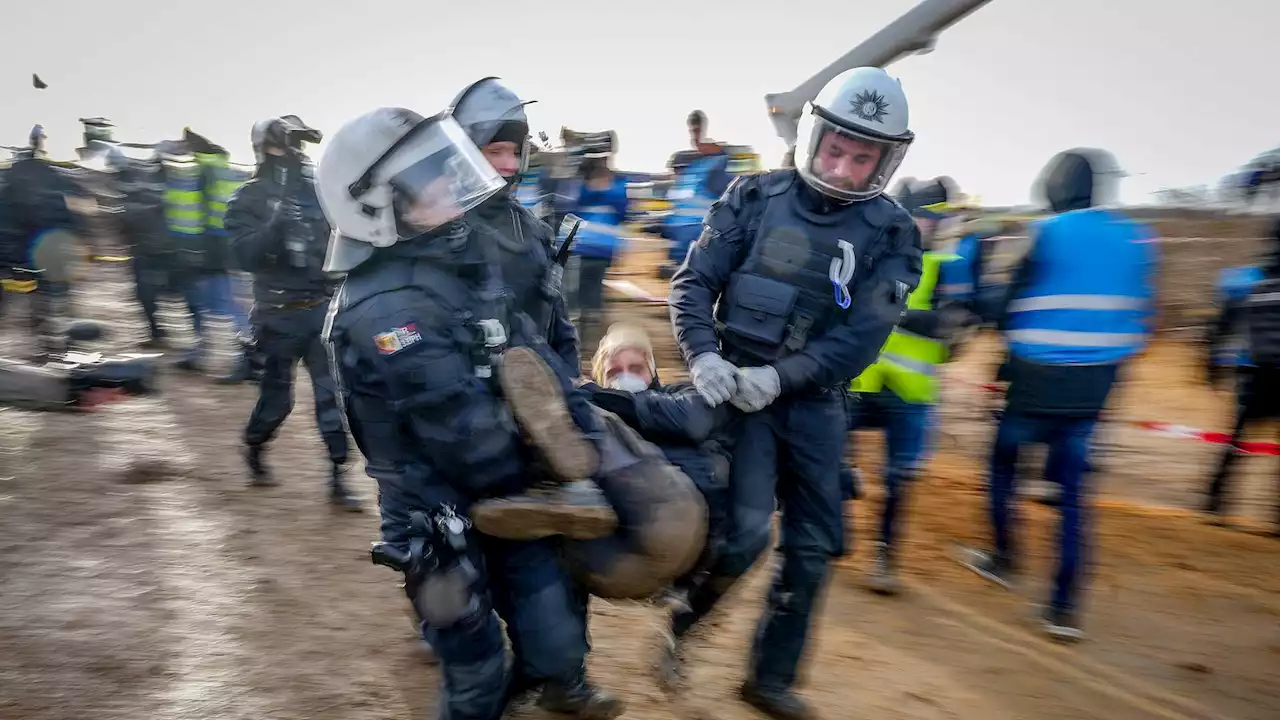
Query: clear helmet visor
845, 164
437, 176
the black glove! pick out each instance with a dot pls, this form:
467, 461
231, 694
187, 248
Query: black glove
285, 212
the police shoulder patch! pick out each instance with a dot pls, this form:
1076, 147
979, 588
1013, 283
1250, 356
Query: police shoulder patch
397, 339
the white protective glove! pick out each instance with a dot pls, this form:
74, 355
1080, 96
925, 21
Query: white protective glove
757, 387
715, 378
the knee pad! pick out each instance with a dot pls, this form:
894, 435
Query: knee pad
445, 598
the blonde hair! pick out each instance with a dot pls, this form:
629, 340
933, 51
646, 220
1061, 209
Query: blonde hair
621, 336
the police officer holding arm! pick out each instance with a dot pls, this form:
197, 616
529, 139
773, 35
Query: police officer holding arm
279, 233
439, 377
793, 287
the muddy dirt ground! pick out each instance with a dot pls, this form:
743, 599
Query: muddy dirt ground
141, 578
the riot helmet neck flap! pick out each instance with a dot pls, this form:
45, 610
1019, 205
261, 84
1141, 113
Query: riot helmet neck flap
392, 175
854, 135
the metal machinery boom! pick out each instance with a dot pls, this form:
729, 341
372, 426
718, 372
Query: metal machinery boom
915, 32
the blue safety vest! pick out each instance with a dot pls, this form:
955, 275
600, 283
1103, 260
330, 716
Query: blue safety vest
958, 278
600, 235
1234, 285
528, 192
689, 194
1090, 294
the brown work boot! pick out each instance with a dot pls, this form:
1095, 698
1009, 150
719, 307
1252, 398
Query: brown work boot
572, 505
576, 510
537, 401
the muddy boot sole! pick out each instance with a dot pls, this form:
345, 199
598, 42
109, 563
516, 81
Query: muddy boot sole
537, 401
534, 518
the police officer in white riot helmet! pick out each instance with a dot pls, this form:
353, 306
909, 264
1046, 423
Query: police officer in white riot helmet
798, 278
415, 336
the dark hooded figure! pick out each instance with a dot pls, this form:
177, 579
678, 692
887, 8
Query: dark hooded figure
1250, 315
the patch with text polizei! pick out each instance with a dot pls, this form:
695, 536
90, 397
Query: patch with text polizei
397, 339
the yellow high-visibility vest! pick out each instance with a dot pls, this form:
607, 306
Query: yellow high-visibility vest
221, 182
184, 195
908, 363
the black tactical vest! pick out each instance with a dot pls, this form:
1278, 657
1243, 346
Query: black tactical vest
782, 296
287, 281
475, 311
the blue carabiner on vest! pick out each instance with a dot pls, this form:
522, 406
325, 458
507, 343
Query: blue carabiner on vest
843, 300
841, 274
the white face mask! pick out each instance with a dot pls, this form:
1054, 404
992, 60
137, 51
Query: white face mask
628, 382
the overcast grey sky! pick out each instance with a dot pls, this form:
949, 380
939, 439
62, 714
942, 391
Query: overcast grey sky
1181, 92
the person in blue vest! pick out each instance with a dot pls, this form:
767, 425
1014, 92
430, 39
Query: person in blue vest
789, 293
602, 205
1079, 306
1246, 338
701, 176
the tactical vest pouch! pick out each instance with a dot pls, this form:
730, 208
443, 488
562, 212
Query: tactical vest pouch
759, 311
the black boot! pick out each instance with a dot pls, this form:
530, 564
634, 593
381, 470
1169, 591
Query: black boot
580, 699
260, 475
779, 703
339, 496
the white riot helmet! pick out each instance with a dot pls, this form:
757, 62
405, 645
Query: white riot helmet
490, 112
392, 175
859, 117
